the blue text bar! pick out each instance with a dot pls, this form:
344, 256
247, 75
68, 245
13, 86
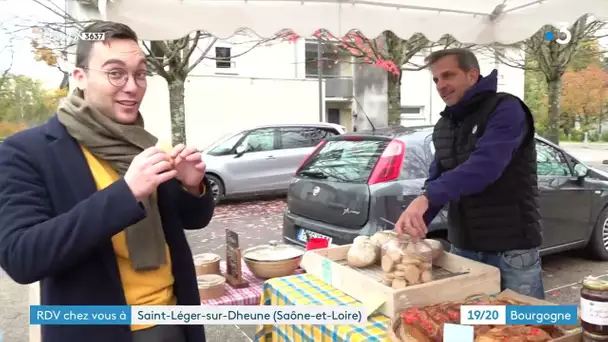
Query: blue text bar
541, 314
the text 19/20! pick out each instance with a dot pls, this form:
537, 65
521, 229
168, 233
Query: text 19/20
482, 314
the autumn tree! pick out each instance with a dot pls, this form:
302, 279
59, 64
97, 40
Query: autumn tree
535, 85
388, 51
584, 96
551, 60
53, 39
25, 101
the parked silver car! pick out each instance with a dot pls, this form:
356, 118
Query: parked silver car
262, 160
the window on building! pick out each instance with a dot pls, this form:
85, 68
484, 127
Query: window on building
330, 62
411, 110
333, 115
223, 57
407, 113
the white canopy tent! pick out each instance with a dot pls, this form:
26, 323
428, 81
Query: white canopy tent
469, 21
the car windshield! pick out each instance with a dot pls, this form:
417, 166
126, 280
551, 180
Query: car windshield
345, 161
226, 146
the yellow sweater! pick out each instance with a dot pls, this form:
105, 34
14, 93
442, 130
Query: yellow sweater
140, 288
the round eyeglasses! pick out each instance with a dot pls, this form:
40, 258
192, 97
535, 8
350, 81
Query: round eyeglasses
120, 77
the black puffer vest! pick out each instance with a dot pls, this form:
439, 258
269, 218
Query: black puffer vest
504, 216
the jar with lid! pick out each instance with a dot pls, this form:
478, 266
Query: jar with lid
591, 337
406, 262
594, 309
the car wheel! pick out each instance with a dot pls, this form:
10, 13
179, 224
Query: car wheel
598, 243
217, 187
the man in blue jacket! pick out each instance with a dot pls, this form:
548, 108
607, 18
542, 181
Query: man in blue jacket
93, 210
485, 170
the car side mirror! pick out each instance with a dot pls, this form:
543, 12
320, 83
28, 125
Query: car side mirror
581, 170
240, 150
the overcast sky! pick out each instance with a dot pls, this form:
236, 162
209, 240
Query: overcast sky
23, 12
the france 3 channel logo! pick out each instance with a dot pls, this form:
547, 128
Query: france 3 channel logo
563, 35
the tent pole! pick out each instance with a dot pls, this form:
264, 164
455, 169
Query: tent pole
320, 79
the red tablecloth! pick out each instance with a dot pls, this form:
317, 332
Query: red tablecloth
249, 295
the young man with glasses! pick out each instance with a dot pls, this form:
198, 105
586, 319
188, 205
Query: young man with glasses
93, 210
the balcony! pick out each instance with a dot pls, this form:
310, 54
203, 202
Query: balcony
335, 69
341, 87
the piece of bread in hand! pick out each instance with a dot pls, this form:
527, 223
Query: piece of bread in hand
167, 148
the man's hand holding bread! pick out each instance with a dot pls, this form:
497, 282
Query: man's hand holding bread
158, 164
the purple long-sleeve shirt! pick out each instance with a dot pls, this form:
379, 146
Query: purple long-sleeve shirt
493, 152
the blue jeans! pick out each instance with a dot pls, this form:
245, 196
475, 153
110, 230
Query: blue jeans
520, 270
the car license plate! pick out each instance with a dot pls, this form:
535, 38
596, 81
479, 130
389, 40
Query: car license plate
304, 234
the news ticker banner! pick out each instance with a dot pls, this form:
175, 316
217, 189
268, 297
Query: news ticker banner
518, 314
254, 315
188, 315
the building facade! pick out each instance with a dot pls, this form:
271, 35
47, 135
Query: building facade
244, 81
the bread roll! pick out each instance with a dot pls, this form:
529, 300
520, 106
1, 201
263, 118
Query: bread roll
361, 239
363, 253
399, 283
165, 146
412, 274
380, 238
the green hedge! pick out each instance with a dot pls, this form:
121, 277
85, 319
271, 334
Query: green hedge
579, 136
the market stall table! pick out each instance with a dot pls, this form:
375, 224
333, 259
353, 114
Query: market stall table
249, 295
306, 289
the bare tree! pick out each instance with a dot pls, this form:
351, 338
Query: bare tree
551, 59
51, 39
6, 51
175, 59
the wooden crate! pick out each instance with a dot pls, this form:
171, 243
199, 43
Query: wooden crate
454, 278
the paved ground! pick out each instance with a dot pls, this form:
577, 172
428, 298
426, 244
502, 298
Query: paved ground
594, 153
260, 221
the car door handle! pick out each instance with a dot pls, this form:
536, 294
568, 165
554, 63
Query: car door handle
271, 157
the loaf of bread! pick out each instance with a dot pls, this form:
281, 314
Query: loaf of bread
167, 148
164, 146
362, 253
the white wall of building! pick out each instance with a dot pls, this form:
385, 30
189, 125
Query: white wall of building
418, 89
266, 84
221, 105
254, 58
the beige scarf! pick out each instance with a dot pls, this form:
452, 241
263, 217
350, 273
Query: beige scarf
118, 144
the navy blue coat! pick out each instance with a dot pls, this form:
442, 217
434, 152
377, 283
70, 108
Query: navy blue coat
56, 228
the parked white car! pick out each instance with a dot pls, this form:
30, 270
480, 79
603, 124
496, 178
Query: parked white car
262, 160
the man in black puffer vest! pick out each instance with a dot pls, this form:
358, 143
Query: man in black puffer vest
485, 170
